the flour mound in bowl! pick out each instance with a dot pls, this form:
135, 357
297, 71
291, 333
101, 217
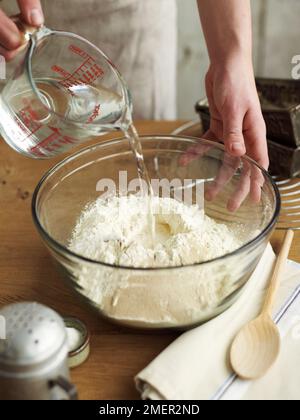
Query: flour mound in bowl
117, 231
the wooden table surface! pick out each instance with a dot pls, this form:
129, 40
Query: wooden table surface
27, 273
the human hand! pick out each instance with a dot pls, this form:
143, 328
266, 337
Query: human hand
236, 119
10, 37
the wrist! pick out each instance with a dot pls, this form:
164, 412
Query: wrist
232, 56
235, 62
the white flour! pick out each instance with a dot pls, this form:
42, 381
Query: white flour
117, 232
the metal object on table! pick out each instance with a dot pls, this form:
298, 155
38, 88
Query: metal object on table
289, 189
280, 102
290, 196
79, 351
34, 355
284, 160
202, 108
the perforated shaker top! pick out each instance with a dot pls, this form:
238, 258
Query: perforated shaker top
33, 334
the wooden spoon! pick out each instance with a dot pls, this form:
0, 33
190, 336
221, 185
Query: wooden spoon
257, 346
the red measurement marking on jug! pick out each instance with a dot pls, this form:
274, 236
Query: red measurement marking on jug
87, 73
51, 138
53, 142
95, 114
68, 81
61, 71
79, 51
29, 118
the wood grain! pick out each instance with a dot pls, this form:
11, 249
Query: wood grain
27, 273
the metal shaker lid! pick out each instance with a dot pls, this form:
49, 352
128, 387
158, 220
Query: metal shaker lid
34, 333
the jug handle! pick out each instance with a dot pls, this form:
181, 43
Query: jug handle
66, 386
27, 31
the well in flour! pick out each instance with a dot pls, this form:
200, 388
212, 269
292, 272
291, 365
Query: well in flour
117, 232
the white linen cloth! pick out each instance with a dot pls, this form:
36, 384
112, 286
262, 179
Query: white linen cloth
139, 36
196, 366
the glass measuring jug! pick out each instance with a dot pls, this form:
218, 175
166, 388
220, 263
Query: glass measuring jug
65, 91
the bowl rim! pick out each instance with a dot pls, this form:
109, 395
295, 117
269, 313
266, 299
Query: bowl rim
62, 249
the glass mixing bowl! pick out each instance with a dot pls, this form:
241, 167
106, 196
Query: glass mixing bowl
177, 297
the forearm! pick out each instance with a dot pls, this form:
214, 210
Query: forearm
227, 28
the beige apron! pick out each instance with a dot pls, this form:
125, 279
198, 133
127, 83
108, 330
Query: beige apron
140, 37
